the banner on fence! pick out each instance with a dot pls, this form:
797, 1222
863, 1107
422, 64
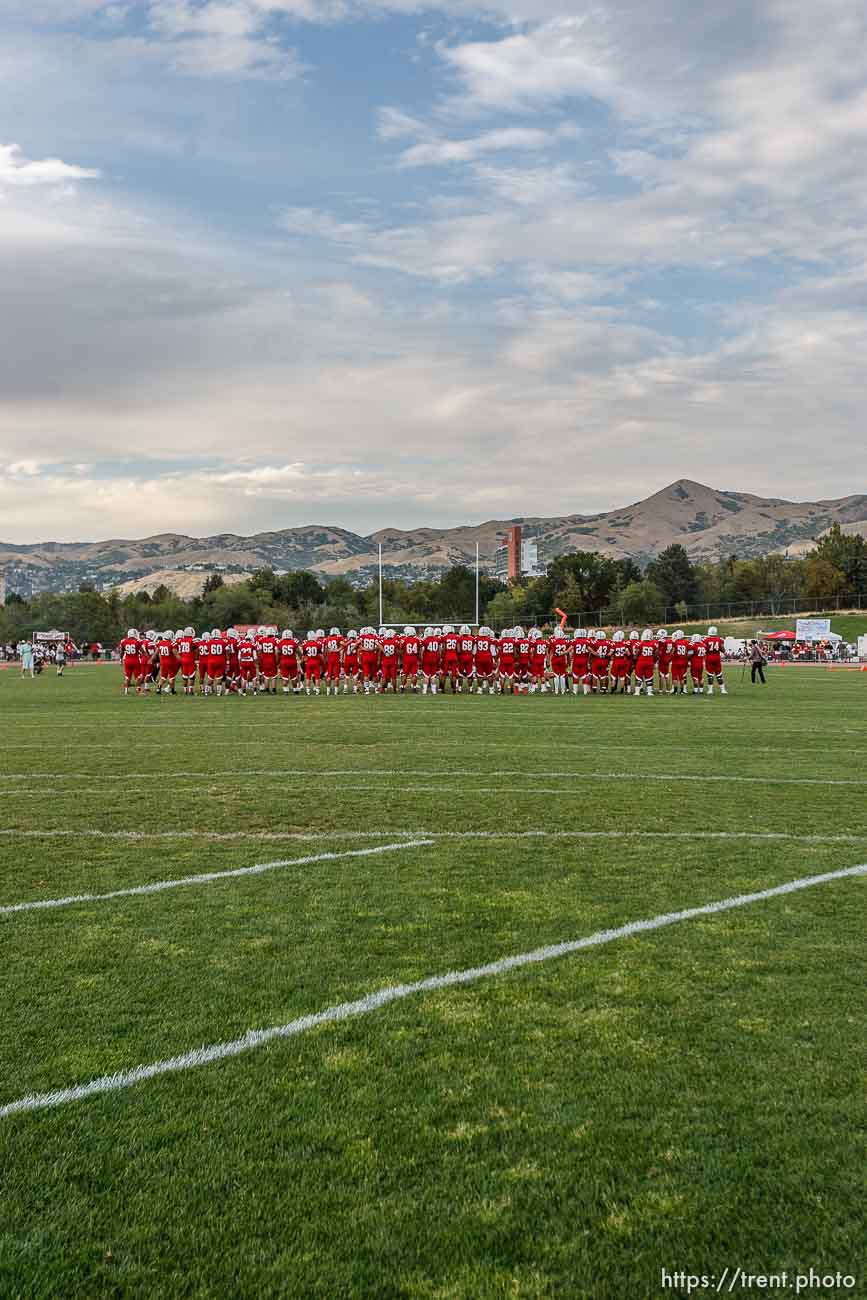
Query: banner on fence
812, 629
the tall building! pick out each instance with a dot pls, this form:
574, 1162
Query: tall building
516, 559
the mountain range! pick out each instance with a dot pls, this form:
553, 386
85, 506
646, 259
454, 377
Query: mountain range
710, 523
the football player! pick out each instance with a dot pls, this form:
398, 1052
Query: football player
645, 663
621, 664
130, 652
311, 651
431, 647
581, 659
714, 646
679, 662
333, 655
410, 659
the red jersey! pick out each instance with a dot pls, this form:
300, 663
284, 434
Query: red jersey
246, 652
484, 647
680, 655
507, 648
431, 647
601, 651
368, 644
524, 650
645, 658
287, 647
538, 654
268, 647
581, 650
697, 655
664, 651
165, 651
390, 646
350, 652
186, 648
450, 647
215, 648
621, 657
714, 646
466, 646
130, 648
311, 649
560, 646
411, 648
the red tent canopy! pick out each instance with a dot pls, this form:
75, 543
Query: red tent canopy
778, 636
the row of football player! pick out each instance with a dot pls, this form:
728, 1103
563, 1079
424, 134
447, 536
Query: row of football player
585, 662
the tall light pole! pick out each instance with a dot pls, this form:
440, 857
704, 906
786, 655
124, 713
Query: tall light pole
477, 584
380, 585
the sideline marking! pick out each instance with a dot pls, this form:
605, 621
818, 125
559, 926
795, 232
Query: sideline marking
393, 993
839, 837
206, 877
317, 775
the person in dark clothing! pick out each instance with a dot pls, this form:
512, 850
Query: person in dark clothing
757, 663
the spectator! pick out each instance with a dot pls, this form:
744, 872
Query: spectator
757, 663
25, 651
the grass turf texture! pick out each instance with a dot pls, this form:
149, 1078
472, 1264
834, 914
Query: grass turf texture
688, 1099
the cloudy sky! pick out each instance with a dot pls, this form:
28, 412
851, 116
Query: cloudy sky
271, 262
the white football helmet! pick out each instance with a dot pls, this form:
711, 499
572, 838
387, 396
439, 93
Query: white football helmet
465, 629
712, 631
262, 630
320, 632
409, 631
311, 635
335, 631
647, 634
132, 631
618, 636
579, 631
661, 634
447, 628
285, 634
352, 633
383, 631
677, 635
696, 636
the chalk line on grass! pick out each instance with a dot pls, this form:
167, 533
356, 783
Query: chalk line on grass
255, 1038
207, 877
134, 837
319, 774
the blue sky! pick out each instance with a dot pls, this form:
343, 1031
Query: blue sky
271, 263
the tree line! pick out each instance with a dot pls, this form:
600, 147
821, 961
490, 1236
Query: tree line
584, 584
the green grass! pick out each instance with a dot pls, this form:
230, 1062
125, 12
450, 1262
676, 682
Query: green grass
688, 1099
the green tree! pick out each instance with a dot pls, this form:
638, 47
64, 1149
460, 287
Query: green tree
822, 580
846, 552
640, 602
300, 589
213, 582
673, 574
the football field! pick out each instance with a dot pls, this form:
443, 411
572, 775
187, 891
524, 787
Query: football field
594, 1120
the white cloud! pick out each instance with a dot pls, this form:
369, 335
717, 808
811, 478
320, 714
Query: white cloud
17, 170
432, 149
221, 38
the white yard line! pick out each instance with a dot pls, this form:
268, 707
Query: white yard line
255, 1038
134, 837
319, 774
207, 877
